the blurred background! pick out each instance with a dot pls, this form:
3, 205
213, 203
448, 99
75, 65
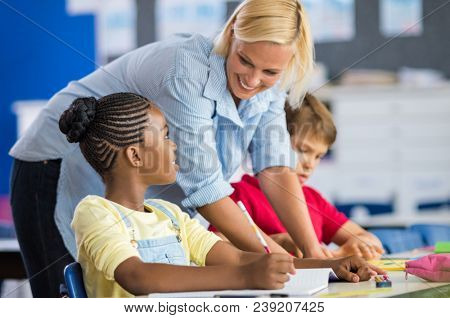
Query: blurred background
383, 68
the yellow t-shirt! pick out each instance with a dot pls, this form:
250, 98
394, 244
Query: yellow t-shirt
103, 240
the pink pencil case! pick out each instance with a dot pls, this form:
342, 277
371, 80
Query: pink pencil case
435, 267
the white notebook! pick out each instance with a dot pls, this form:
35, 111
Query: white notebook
305, 282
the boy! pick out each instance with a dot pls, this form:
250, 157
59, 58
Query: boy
312, 133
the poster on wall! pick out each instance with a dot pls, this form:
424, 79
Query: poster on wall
401, 18
189, 16
115, 25
331, 20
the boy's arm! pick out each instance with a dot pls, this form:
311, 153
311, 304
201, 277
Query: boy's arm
283, 190
354, 240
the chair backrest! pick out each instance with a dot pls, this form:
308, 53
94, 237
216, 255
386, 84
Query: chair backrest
7, 230
398, 240
432, 233
73, 275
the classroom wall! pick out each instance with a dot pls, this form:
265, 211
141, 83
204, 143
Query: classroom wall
36, 60
430, 50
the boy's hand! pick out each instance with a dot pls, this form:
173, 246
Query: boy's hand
354, 269
319, 251
269, 272
359, 246
286, 242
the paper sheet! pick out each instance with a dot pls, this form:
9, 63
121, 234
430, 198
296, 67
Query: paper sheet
331, 20
401, 17
189, 16
305, 282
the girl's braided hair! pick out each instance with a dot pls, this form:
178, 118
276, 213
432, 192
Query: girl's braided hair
104, 126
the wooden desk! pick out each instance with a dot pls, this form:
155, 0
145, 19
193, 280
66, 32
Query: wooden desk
11, 265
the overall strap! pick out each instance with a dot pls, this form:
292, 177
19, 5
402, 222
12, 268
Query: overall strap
166, 211
123, 217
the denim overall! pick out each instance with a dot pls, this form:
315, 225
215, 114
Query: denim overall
168, 250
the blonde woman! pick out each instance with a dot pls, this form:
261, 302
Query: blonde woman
222, 100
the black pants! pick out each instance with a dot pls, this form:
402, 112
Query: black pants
33, 200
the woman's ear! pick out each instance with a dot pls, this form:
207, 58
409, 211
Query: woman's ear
133, 156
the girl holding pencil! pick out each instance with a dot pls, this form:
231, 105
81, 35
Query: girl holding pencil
128, 245
222, 98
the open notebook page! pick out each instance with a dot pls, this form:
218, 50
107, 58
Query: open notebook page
305, 282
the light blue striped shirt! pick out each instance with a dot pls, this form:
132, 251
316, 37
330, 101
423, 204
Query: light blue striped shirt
188, 82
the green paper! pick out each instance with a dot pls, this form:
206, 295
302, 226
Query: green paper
442, 247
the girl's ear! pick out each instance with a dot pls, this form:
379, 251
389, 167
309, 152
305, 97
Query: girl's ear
133, 156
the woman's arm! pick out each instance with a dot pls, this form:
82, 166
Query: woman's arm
352, 269
283, 190
354, 240
228, 218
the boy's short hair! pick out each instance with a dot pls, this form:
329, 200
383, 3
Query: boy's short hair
311, 119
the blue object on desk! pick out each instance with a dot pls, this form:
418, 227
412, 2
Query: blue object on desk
398, 240
432, 233
73, 276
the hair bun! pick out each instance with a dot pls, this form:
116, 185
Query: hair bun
76, 119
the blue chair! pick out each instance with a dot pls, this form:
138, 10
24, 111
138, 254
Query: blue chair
432, 233
73, 275
398, 240
374, 208
6, 231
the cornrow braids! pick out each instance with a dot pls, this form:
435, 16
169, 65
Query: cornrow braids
104, 126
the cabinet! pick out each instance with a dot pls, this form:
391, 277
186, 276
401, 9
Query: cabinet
392, 148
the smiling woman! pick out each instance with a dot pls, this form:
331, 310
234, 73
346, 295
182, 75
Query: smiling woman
254, 67
222, 100
288, 47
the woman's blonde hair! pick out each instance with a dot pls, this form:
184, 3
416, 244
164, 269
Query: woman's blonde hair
279, 21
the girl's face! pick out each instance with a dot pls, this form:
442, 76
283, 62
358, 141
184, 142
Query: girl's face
254, 67
158, 151
310, 152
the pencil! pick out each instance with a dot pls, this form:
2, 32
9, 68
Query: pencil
250, 220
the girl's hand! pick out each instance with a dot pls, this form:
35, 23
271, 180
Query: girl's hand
286, 242
354, 269
269, 272
359, 246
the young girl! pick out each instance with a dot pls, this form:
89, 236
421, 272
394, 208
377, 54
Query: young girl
312, 133
131, 246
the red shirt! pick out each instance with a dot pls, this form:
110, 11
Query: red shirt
326, 219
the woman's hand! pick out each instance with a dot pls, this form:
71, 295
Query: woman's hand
354, 269
359, 245
270, 271
286, 242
